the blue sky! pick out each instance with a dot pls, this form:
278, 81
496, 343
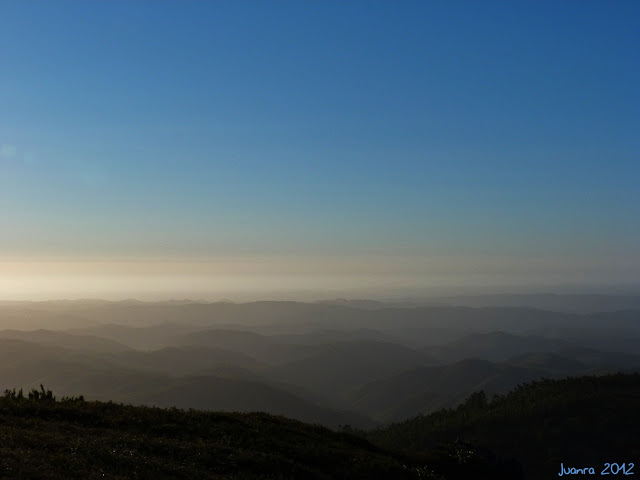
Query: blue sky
332, 130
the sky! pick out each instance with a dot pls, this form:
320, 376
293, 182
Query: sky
204, 148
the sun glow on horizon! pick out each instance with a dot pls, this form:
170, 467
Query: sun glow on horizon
291, 277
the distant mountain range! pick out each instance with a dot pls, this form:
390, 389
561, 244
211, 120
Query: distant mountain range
567, 303
331, 364
344, 366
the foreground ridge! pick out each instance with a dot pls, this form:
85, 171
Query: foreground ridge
576, 421
42, 437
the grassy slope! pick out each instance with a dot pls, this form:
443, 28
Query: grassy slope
74, 439
77, 439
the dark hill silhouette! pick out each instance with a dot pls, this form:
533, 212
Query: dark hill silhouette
27, 365
553, 364
243, 395
152, 337
412, 326
581, 421
622, 338
422, 390
237, 340
325, 355
325, 336
334, 368
184, 360
88, 343
72, 438
425, 389
495, 346
590, 303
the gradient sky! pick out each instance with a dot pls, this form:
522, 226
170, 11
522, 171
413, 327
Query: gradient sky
412, 144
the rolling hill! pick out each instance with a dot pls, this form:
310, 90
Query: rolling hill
72, 438
580, 421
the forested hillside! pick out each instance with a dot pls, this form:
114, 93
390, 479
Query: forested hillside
582, 421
